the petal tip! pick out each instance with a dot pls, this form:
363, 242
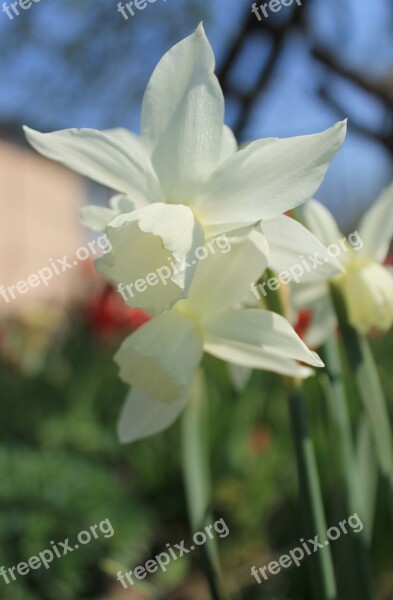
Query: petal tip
28, 131
343, 126
200, 30
318, 362
122, 434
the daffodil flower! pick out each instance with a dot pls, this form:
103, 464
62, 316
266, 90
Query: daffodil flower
366, 285
182, 181
161, 358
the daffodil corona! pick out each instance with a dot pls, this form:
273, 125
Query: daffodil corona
367, 288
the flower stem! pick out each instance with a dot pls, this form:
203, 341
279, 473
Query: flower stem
370, 391
335, 392
310, 488
197, 481
309, 484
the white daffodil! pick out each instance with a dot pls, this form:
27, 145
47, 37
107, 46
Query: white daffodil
160, 359
366, 284
182, 181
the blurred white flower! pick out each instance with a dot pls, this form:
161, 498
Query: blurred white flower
366, 284
161, 358
182, 181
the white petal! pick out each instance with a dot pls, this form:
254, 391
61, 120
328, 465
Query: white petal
303, 296
131, 143
229, 144
123, 204
225, 277
127, 138
323, 323
239, 376
141, 416
376, 227
96, 217
101, 157
183, 116
316, 299
229, 229
321, 222
261, 360
266, 179
256, 338
295, 250
160, 358
149, 247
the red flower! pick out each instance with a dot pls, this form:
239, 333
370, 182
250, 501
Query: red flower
259, 440
389, 260
108, 315
303, 322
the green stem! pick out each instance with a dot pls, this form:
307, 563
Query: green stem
370, 391
309, 483
335, 392
310, 488
368, 472
197, 481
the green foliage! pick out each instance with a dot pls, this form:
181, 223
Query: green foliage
63, 471
53, 496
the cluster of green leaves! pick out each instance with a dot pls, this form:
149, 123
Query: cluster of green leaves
63, 471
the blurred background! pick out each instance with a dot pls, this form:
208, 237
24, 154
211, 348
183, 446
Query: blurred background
68, 63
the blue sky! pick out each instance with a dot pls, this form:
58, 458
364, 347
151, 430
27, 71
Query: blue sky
40, 89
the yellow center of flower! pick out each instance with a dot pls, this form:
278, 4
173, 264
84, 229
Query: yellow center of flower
367, 288
184, 307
